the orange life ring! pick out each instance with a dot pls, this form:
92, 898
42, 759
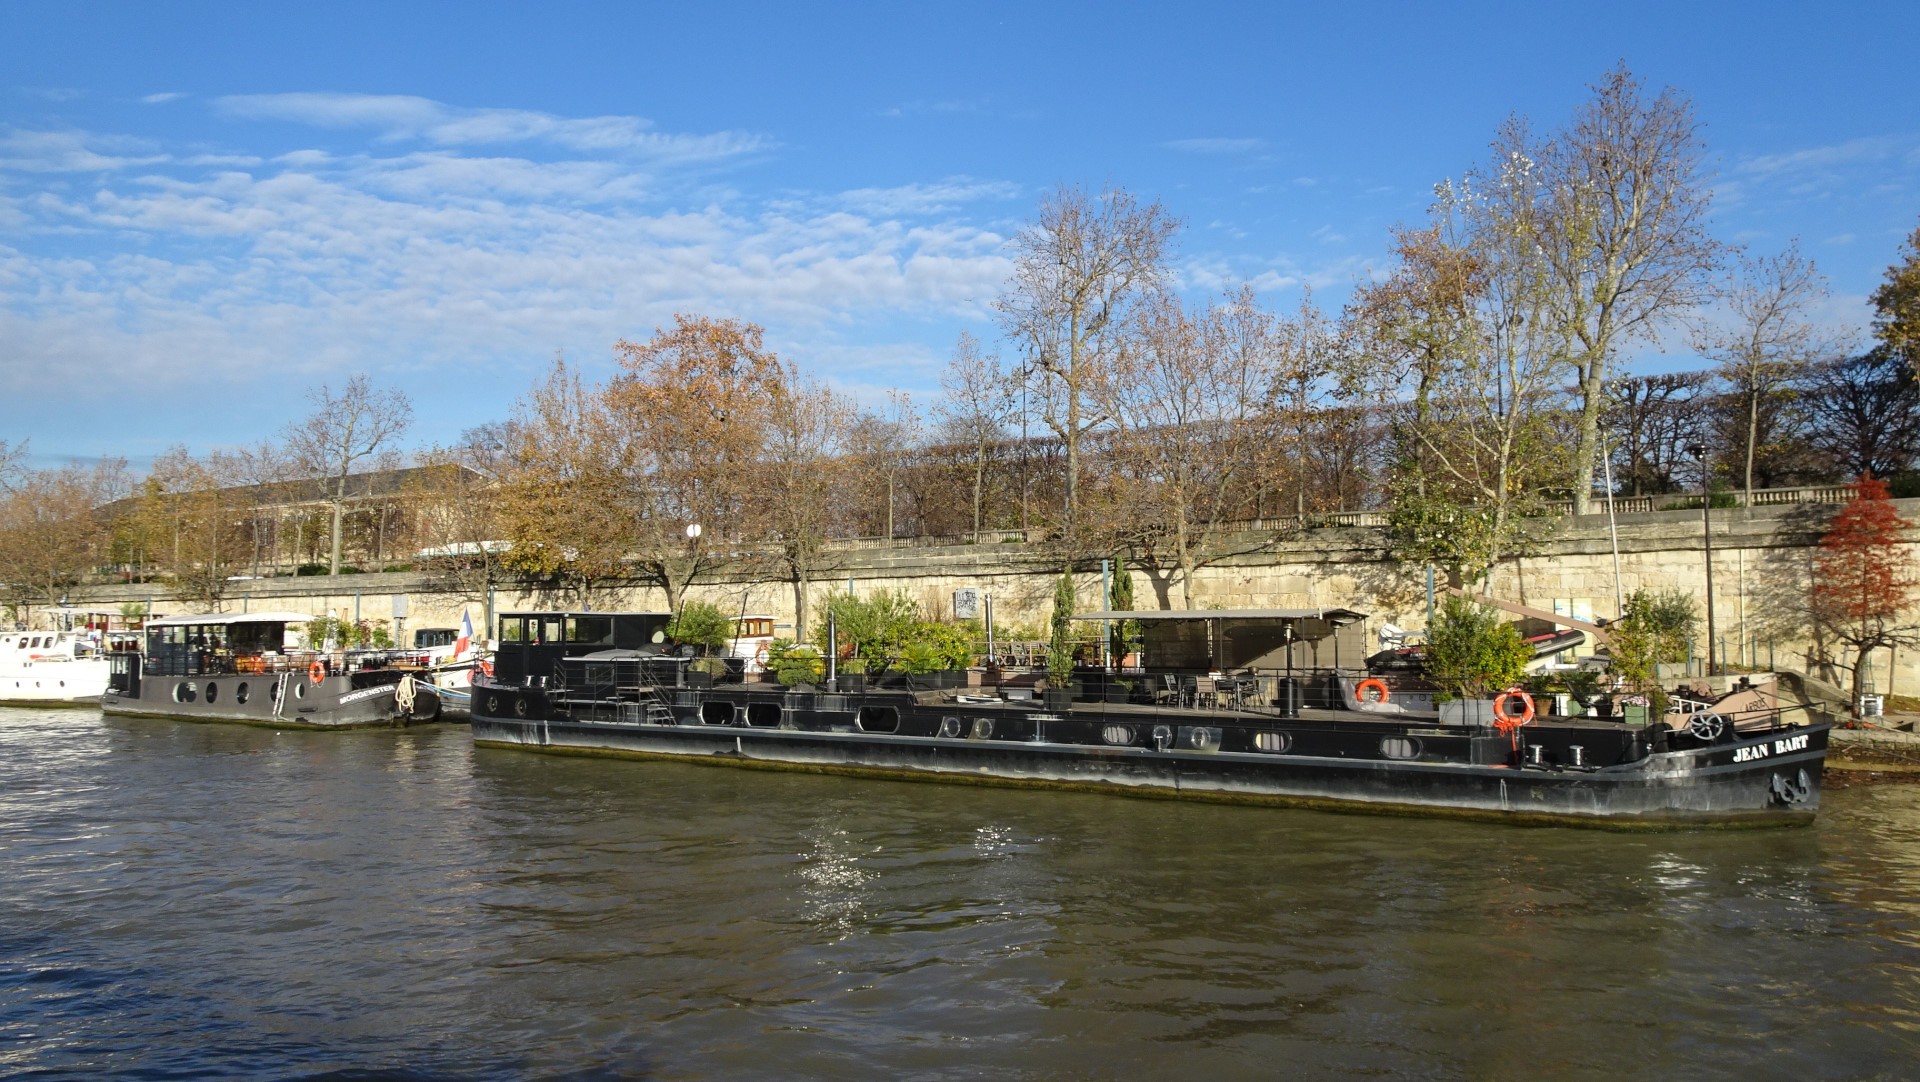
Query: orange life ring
1360, 690
760, 656
485, 667
1508, 721
316, 672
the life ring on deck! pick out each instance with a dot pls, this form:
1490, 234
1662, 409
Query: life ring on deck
316, 672
485, 667
1508, 721
1360, 690
760, 656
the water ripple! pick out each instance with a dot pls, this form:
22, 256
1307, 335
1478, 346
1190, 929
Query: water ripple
184, 901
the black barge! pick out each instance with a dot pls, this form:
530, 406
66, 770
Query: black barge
1284, 724
243, 668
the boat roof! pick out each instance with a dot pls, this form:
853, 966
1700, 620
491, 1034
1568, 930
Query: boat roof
580, 612
1335, 616
224, 618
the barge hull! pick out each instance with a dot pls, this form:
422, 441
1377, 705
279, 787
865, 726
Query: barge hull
1703, 787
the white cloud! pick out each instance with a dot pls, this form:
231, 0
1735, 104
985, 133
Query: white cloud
945, 196
72, 152
313, 261
1215, 145
397, 117
162, 99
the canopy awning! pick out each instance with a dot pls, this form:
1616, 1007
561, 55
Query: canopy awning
1333, 616
223, 619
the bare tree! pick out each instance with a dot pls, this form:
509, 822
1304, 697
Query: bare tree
1472, 354
978, 403
458, 490
800, 468
196, 521
11, 458
344, 430
1863, 413
1624, 227
1770, 337
1192, 405
1078, 267
1650, 423
882, 442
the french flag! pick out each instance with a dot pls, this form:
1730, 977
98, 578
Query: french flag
465, 640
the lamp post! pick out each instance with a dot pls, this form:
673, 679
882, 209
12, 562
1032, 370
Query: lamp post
1699, 452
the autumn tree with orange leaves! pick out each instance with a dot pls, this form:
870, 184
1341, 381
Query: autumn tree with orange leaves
1864, 587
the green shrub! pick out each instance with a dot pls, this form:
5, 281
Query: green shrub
702, 624
795, 663
1656, 629
1471, 654
877, 627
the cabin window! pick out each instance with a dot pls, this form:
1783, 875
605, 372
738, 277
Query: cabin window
753, 629
1399, 747
513, 629
763, 715
713, 712
590, 629
1117, 734
878, 719
1274, 742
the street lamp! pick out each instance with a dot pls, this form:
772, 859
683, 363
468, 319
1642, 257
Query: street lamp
1699, 453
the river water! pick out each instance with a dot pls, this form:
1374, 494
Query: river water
207, 901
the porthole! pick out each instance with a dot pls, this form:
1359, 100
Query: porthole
240, 693
949, 726
185, 692
716, 712
299, 690
763, 715
1274, 742
493, 705
213, 691
1399, 747
982, 728
1117, 734
878, 719
519, 707
1201, 737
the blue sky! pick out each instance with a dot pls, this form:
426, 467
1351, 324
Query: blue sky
206, 209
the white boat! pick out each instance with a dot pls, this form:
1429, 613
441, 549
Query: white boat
46, 667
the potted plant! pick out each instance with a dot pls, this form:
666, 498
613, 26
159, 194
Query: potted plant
1473, 656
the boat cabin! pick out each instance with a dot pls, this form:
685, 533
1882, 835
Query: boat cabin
1285, 657
752, 636
531, 643
214, 644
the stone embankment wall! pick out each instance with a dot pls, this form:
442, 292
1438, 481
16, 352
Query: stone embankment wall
1762, 563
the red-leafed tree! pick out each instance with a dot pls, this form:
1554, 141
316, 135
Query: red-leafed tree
1864, 588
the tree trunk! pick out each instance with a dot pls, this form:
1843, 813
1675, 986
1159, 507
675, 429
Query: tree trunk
1592, 397
800, 584
1753, 436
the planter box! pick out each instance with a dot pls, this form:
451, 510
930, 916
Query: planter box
1119, 693
1057, 698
